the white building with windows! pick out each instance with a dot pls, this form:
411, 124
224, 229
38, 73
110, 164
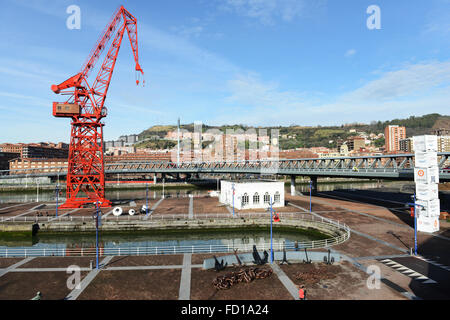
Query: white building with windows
252, 194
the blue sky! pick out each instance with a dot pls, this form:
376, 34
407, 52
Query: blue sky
255, 62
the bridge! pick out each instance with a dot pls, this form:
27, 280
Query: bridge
397, 166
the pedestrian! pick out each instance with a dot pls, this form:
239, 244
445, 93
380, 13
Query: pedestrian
296, 245
302, 292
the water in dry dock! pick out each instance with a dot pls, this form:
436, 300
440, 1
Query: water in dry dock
167, 240
132, 239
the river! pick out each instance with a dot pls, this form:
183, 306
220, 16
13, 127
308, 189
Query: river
136, 194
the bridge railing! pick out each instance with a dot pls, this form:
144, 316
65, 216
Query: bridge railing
381, 163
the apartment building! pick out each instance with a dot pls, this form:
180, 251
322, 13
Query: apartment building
356, 143
19, 166
443, 143
406, 145
37, 150
393, 134
5, 157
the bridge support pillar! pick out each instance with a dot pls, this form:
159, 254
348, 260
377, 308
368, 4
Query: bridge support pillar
314, 185
292, 185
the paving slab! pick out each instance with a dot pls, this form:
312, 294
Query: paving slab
59, 262
150, 260
185, 283
209, 205
75, 293
6, 262
134, 285
270, 288
173, 206
339, 282
25, 285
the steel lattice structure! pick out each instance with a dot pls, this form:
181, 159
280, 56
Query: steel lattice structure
86, 107
400, 166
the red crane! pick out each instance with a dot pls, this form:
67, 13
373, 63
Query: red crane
86, 107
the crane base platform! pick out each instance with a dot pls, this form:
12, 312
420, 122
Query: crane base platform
104, 203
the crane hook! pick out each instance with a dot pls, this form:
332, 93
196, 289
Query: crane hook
138, 79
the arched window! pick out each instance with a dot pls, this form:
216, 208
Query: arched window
256, 198
276, 198
266, 198
245, 199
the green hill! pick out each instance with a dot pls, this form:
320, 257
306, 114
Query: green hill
306, 137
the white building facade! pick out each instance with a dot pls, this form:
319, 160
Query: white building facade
252, 194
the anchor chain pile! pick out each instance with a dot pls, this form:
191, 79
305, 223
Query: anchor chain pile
315, 274
247, 275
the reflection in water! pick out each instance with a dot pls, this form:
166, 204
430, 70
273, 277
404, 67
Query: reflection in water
50, 196
231, 238
338, 186
133, 239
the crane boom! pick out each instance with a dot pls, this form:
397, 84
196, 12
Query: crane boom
86, 107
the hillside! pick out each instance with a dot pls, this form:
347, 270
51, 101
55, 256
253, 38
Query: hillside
306, 137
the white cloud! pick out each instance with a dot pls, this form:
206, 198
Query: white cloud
180, 47
187, 32
26, 100
267, 11
248, 89
410, 81
350, 52
415, 89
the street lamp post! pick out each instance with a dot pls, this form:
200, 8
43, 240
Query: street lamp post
146, 200
415, 221
96, 233
310, 195
415, 226
57, 195
271, 234
232, 187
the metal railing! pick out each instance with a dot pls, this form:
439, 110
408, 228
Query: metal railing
142, 217
342, 231
397, 165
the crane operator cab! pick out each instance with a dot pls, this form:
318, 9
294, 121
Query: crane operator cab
66, 109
